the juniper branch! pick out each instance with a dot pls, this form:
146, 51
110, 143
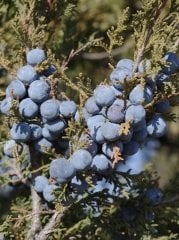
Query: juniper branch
148, 34
73, 52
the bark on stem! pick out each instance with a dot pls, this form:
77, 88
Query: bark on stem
36, 221
36, 200
50, 226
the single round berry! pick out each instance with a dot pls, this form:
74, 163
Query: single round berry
49, 109
125, 63
62, 170
27, 74
16, 89
135, 114
28, 108
120, 76
81, 159
39, 183
36, 56
39, 91
115, 113
91, 106
110, 131
104, 95
68, 108
101, 164
94, 124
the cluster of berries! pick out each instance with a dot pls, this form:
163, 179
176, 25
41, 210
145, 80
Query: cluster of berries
119, 132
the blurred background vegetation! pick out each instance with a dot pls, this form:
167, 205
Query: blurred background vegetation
64, 31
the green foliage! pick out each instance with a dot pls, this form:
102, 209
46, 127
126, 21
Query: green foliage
14, 227
114, 34
157, 33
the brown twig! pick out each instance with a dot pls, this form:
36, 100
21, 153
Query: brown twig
103, 55
73, 53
